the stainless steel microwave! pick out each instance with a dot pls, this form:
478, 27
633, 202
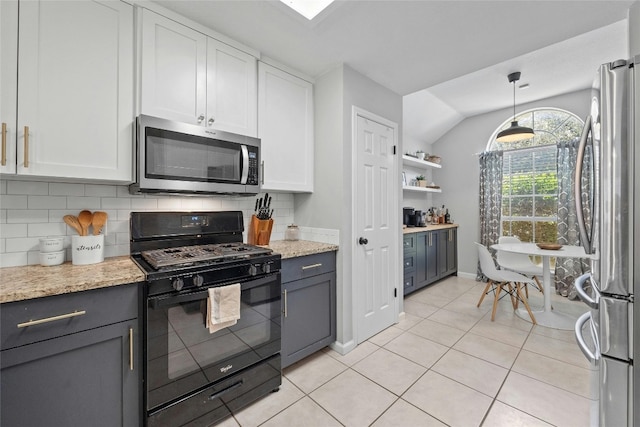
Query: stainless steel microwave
180, 158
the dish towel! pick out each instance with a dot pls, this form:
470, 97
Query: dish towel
223, 307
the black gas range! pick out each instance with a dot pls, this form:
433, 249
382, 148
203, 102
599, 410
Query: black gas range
192, 376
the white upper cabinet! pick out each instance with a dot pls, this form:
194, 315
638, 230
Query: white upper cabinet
75, 90
285, 126
189, 77
8, 83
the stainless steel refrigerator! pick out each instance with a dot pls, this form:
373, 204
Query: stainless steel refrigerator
609, 218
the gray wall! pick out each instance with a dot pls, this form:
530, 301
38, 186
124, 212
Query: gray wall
330, 205
460, 168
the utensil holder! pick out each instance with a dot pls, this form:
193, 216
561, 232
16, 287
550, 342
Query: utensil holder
259, 231
87, 249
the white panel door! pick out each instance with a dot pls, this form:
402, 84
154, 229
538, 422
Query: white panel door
376, 229
8, 83
174, 70
285, 126
232, 89
75, 89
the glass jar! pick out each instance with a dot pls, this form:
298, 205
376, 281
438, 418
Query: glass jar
292, 232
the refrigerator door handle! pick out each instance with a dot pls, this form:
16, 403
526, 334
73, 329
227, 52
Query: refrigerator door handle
592, 356
577, 187
579, 284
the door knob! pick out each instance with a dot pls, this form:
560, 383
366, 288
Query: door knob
363, 241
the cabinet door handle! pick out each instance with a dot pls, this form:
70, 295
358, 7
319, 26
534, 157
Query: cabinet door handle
4, 144
200, 118
307, 267
211, 120
285, 303
262, 172
51, 319
131, 349
26, 146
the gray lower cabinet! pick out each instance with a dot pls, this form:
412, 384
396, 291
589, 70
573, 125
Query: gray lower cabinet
429, 256
308, 305
79, 366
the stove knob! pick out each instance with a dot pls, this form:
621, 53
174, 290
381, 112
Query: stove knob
266, 268
198, 280
253, 270
177, 284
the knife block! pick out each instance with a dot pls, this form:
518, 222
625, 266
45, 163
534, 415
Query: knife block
259, 231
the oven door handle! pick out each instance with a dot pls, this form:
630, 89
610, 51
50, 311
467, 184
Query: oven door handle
169, 300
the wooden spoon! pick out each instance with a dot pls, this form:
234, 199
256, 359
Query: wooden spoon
98, 221
72, 221
85, 217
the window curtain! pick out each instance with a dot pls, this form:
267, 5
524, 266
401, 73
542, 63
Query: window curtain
490, 202
568, 269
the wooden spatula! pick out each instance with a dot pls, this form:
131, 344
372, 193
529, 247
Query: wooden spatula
72, 221
85, 217
98, 221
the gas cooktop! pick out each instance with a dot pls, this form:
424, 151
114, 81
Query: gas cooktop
184, 255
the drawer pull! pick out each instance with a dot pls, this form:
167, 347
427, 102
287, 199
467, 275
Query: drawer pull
307, 267
131, 349
51, 319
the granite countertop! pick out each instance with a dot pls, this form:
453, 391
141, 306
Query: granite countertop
296, 248
35, 281
430, 227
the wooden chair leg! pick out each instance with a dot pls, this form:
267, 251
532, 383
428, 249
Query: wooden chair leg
526, 290
517, 286
540, 287
514, 299
495, 302
486, 289
526, 304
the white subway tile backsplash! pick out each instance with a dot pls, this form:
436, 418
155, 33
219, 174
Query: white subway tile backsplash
39, 208
15, 259
33, 188
115, 203
144, 204
23, 216
13, 230
65, 189
22, 244
47, 229
100, 190
14, 202
47, 202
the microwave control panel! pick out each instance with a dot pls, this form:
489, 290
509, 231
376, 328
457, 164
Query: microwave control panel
252, 178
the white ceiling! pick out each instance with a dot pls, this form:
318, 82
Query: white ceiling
451, 56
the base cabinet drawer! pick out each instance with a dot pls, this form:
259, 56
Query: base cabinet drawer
78, 371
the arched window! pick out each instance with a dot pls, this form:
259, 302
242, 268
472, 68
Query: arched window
530, 182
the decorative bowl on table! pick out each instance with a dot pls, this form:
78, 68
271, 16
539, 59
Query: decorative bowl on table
549, 246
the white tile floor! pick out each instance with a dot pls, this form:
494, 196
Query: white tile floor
444, 364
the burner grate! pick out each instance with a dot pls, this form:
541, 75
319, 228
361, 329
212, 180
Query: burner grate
159, 258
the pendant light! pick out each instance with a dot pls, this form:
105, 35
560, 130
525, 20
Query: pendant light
515, 132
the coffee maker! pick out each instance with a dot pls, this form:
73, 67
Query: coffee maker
408, 215
418, 219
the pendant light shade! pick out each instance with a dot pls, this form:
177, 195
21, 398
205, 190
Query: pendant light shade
515, 132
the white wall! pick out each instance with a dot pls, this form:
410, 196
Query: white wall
33, 209
634, 29
330, 205
459, 175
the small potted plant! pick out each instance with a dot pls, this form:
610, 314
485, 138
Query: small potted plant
422, 181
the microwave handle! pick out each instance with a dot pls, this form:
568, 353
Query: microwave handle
245, 164
577, 188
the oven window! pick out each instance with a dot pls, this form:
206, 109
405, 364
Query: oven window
172, 155
183, 356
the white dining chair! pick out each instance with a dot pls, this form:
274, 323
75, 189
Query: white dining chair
502, 280
520, 263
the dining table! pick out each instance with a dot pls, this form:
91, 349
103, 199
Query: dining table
547, 316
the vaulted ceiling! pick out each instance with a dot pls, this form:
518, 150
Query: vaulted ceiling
451, 57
